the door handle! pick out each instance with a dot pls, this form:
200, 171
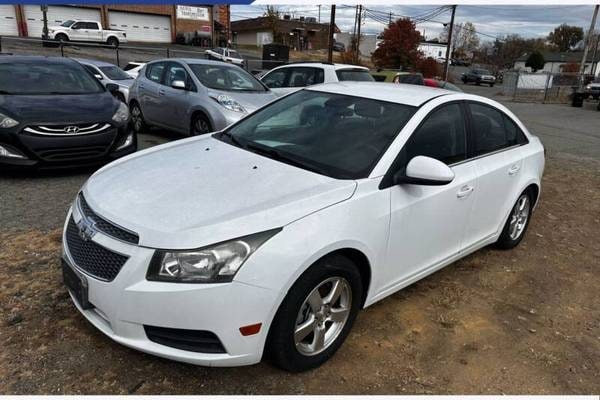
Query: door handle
514, 169
465, 191
161, 92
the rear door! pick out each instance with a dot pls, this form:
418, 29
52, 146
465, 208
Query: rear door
148, 91
496, 153
94, 32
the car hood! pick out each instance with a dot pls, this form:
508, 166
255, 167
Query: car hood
251, 101
73, 109
200, 191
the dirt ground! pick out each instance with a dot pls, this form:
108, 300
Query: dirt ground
525, 321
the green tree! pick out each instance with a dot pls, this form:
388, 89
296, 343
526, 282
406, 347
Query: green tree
400, 46
535, 61
565, 36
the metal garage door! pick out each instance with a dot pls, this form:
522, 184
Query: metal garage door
142, 27
8, 20
56, 16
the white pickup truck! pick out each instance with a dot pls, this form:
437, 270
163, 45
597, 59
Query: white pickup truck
86, 31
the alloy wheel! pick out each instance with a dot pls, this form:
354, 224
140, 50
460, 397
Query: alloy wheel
519, 217
201, 126
136, 118
322, 316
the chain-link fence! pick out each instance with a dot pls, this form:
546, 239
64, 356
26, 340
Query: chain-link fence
540, 87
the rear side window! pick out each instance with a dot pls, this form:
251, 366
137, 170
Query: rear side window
154, 72
442, 136
303, 76
492, 130
356, 74
92, 25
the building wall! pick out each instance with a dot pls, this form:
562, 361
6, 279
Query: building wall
432, 50
553, 67
246, 38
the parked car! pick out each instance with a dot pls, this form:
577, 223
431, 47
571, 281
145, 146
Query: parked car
108, 73
478, 76
266, 238
592, 89
86, 31
339, 47
441, 84
194, 96
226, 55
133, 68
411, 78
291, 77
53, 113
384, 75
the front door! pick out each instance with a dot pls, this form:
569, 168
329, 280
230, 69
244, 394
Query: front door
78, 31
427, 223
148, 91
176, 102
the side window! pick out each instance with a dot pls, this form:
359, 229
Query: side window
78, 25
154, 71
514, 134
303, 76
489, 130
175, 72
92, 25
92, 70
275, 79
442, 136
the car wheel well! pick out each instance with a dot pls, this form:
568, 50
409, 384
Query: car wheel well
362, 263
535, 192
202, 113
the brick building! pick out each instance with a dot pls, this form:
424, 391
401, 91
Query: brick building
299, 34
160, 23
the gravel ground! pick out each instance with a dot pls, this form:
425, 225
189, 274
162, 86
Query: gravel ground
520, 321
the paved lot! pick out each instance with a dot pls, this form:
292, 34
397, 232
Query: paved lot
520, 321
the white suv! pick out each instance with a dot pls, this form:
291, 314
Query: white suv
269, 236
291, 77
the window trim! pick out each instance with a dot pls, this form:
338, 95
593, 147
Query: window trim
388, 178
162, 74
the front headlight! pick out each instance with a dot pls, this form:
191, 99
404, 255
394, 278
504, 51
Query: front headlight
122, 114
589, 87
212, 264
7, 122
229, 103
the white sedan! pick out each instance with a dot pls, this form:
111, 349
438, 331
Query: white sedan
266, 238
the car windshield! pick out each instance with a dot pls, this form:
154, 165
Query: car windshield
27, 78
332, 134
355, 74
482, 72
131, 66
224, 77
67, 23
115, 73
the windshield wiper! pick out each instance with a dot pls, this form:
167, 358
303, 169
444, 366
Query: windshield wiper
279, 156
232, 139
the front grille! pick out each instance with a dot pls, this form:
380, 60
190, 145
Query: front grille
91, 257
67, 130
185, 339
72, 153
105, 226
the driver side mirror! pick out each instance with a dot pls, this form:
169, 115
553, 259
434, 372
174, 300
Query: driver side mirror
98, 76
178, 85
427, 171
112, 87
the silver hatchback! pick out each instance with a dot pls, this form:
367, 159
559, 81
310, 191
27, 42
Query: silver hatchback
194, 96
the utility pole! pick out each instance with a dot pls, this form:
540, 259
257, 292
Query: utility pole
44, 9
319, 13
390, 18
358, 34
331, 30
353, 40
449, 45
586, 48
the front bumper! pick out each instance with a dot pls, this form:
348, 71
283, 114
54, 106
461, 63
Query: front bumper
55, 152
123, 306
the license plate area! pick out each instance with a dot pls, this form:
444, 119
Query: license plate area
77, 285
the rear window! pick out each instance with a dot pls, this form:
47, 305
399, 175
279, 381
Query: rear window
223, 77
355, 74
115, 73
130, 66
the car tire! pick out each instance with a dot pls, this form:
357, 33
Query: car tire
61, 37
306, 304
138, 123
112, 41
200, 125
517, 222
598, 106
491, 85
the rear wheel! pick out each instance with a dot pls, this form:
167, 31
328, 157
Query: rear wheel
517, 222
137, 118
316, 315
200, 125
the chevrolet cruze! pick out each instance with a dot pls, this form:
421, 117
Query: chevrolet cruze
266, 238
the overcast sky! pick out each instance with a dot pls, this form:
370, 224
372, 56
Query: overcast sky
527, 21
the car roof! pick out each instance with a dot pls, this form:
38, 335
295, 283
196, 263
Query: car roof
35, 59
97, 63
412, 95
196, 61
323, 64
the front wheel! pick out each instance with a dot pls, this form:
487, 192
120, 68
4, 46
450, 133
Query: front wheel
316, 315
137, 118
517, 222
200, 125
